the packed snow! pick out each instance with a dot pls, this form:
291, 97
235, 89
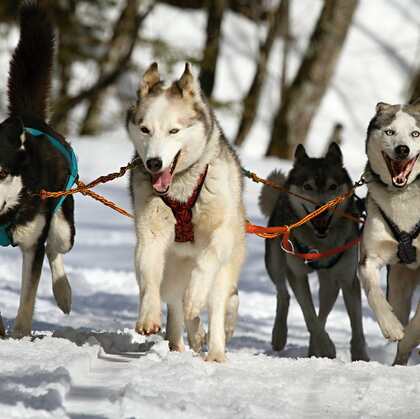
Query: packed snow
91, 364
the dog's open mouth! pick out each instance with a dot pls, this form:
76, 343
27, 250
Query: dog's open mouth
162, 180
321, 223
399, 169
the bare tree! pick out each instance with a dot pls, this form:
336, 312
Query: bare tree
110, 75
252, 98
124, 28
302, 98
216, 9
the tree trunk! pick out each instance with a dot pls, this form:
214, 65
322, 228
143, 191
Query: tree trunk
216, 9
117, 46
252, 99
303, 97
123, 50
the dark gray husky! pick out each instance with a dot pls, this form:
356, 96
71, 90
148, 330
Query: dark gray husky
320, 180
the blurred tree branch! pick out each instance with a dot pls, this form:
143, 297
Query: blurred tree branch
216, 9
303, 97
114, 63
278, 18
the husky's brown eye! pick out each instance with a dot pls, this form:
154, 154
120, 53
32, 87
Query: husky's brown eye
415, 134
174, 131
3, 174
333, 187
389, 132
144, 130
307, 187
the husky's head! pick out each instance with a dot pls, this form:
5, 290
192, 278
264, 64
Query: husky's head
12, 158
169, 125
393, 143
319, 180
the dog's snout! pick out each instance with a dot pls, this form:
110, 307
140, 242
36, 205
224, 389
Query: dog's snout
154, 164
402, 151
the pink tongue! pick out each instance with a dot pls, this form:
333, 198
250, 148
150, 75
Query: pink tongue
400, 168
162, 181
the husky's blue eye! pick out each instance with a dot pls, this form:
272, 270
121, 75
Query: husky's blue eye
144, 130
415, 134
307, 187
174, 131
389, 132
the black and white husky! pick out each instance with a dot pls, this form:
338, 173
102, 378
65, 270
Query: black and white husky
320, 180
32, 158
392, 234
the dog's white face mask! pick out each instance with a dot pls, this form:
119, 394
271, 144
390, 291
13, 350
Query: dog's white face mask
394, 144
167, 126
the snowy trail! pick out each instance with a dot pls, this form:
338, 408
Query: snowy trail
118, 374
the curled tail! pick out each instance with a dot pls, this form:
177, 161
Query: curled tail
31, 65
268, 196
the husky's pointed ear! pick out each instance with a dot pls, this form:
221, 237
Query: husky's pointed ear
151, 78
382, 107
300, 153
187, 85
334, 154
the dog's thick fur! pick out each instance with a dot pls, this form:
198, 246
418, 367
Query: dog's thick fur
166, 121
29, 164
397, 193
320, 179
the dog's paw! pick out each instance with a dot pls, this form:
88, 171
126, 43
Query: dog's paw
215, 356
20, 332
62, 294
176, 347
149, 323
390, 326
321, 346
194, 302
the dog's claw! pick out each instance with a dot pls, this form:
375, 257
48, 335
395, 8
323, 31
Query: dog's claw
151, 330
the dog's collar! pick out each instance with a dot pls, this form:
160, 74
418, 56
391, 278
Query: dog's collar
182, 211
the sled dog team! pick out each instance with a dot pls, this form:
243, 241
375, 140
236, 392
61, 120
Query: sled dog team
190, 218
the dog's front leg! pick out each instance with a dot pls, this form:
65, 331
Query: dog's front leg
31, 272
369, 273
150, 263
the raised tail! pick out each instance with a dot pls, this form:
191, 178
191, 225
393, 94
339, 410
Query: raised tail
31, 65
269, 196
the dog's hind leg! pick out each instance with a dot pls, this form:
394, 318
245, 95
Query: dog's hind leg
410, 340
401, 284
275, 264
175, 327
352, 300
196, 334
320, 343
59, 241
231, 315
2, 329
31, 273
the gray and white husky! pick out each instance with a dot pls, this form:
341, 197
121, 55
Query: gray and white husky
320, 180
189, 214
391, 236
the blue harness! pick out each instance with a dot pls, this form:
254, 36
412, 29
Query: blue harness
70, 156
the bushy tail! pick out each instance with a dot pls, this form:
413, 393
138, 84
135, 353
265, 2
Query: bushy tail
31, 64
268, 196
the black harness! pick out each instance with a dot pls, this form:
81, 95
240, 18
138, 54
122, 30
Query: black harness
406, 252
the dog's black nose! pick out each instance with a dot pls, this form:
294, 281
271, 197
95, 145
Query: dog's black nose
154, 165
402, 151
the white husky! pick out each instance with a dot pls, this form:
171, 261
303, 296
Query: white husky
190, 225
392, 233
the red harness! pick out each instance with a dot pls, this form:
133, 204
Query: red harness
184, 229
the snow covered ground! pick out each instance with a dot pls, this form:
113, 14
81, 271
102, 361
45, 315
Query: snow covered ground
92, 365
